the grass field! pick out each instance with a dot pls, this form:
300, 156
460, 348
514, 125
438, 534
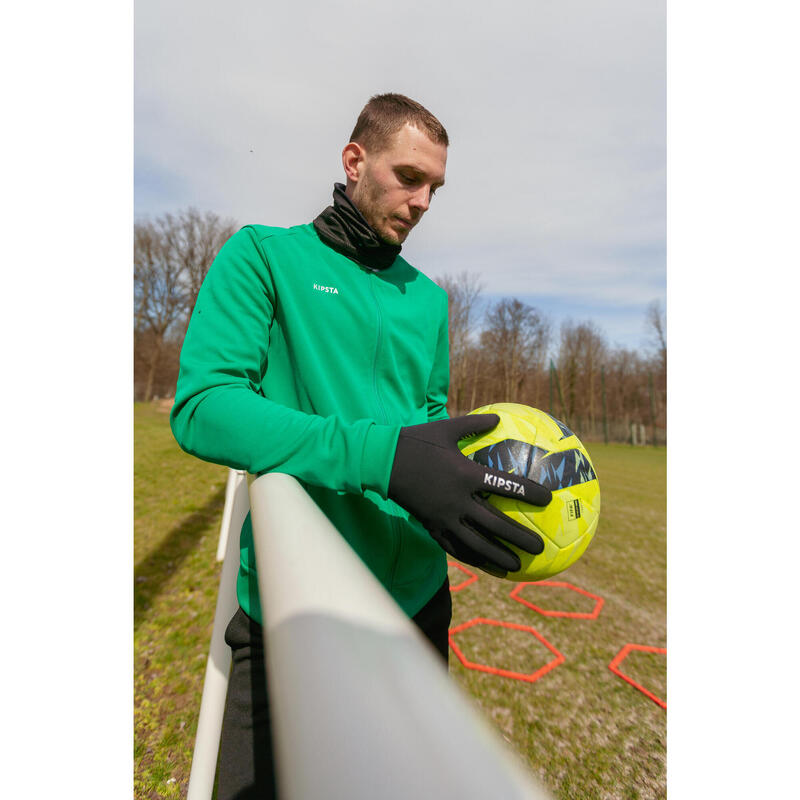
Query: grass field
584, 731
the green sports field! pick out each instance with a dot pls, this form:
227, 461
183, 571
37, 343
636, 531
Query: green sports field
585, 731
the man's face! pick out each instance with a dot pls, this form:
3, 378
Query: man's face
393, 188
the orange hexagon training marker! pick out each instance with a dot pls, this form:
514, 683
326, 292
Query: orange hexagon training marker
463, 585
573, 614
519, 676
620, 657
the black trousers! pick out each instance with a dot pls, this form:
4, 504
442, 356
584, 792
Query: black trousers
246, 767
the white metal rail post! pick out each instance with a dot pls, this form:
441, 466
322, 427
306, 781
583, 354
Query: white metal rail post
361, 705
215, 687
235, 478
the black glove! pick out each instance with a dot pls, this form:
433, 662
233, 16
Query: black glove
433, 480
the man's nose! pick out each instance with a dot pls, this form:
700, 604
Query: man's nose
421, 199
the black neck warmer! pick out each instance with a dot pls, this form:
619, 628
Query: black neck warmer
342, 227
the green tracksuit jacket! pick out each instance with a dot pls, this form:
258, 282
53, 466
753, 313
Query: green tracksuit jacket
298, 360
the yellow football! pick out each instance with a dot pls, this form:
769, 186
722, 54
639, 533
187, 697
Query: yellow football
533, 444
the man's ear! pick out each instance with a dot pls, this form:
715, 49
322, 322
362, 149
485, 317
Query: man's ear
353, 161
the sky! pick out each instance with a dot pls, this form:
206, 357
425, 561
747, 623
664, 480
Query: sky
556, 113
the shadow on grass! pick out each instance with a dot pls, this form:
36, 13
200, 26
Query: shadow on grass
158, 567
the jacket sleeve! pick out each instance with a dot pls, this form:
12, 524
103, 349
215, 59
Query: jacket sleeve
439, 382
221, 416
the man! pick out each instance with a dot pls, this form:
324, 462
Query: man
318, 351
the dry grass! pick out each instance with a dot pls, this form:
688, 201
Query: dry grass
177, 510
587, 733
582, 729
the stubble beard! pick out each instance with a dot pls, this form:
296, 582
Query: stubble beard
366, 198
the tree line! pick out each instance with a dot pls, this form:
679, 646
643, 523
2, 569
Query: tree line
501, 351
512, 352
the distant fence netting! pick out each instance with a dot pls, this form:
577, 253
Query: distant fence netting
623, 401
585, 407
619, 431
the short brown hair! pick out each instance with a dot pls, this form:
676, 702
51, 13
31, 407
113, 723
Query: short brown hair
385, 114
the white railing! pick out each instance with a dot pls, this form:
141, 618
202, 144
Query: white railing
235, 479
361, 704
215, 687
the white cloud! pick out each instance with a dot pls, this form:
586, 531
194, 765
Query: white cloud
556, 113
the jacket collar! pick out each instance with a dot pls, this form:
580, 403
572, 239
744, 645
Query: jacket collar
343, 228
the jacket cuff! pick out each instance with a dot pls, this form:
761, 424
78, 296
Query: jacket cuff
380, 445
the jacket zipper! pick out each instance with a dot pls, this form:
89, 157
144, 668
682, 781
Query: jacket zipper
381, 409
397, 543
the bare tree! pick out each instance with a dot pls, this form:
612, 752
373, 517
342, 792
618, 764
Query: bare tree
463, 291
515, 343
656, 322
159, 294
171, 256
193, 240
581, 353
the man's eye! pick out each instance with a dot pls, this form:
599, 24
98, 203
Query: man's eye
407, 179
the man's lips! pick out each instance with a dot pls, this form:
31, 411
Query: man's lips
406, 223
